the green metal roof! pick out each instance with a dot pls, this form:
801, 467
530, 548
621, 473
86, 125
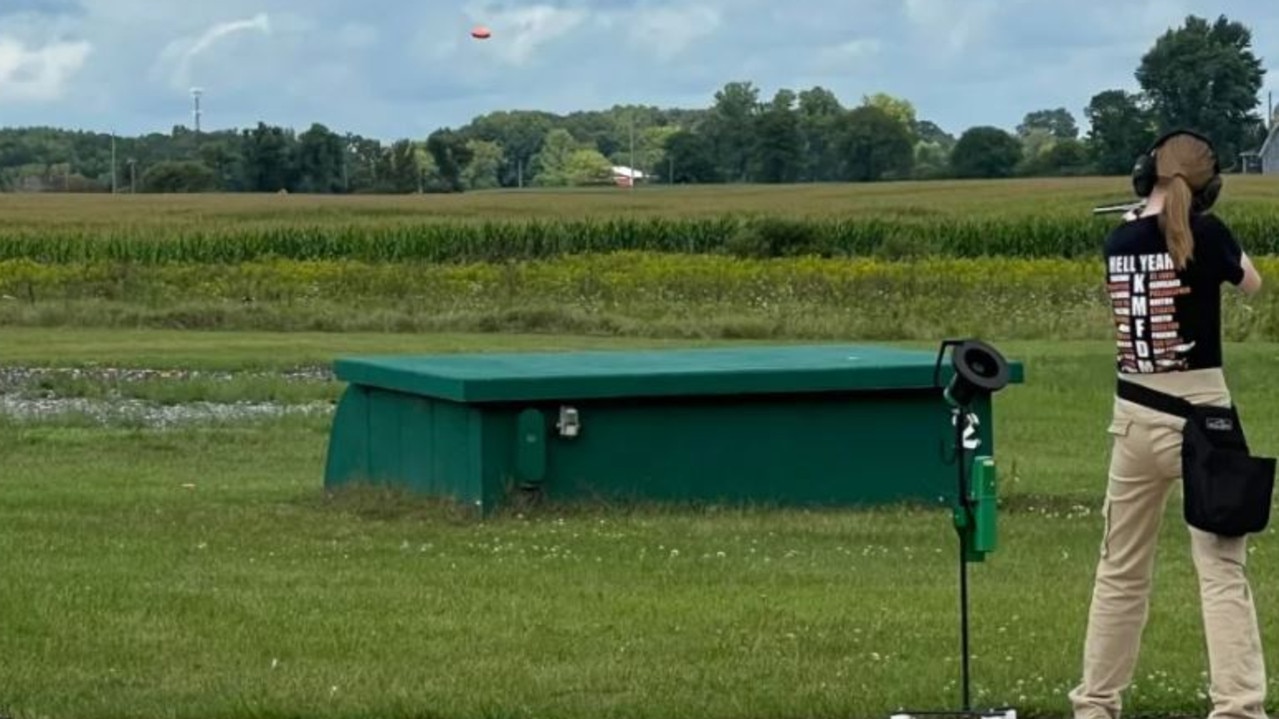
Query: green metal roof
649, 373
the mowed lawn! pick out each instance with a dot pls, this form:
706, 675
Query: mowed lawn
202, 572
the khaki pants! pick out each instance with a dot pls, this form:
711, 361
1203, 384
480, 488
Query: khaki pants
1145, 466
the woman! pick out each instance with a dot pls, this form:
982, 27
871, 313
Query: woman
1165, 268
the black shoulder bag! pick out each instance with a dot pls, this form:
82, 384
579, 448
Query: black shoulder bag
1227, 490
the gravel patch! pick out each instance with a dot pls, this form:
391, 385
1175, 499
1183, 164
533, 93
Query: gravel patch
17, 377
18, 404
151, 414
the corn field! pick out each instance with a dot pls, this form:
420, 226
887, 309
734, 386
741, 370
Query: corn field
1030, 237
1027, 219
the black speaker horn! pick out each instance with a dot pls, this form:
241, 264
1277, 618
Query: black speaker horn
979, 370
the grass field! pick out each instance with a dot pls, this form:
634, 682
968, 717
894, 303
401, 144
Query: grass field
989, 198
177, 212
201, 571
190, 565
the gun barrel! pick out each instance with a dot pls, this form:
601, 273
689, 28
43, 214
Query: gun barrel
1118, 209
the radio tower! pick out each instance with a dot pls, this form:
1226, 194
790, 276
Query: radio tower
195, 97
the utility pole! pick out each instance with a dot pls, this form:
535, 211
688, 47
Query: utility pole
113, 174
633, 170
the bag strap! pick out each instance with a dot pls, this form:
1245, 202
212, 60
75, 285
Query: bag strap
1155, 400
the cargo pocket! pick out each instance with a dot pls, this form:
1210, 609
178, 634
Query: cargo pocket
1119, 426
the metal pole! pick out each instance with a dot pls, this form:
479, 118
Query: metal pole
961, 421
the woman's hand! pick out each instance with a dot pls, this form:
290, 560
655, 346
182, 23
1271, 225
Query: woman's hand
1251, 278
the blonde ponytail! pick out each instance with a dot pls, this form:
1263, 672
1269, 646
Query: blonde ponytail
1174, 221
1183, 164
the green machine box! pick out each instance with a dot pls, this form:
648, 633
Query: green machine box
808, 425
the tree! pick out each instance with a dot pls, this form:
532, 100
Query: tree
928, 131
608, 132
874, 145
220, 154
691, 157
650, 149
179, 176
1058, 158
1067, 158
407, 168
1122, 127
586, 166
1040, 131
553, 159
779, 141
481, 173
269, 159
449, 150
430, 179
363, 167
1036, 142
898, 109
1204, 76
520, 134
1057, 123
320, 158
819, 114
730, 126
985, 152
932, 160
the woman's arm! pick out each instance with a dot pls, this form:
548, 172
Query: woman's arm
1251, 278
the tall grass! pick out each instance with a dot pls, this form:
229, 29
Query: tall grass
624, 293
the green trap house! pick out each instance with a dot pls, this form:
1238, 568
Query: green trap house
794, 425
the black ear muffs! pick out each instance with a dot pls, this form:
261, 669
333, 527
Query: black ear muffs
1144, 173
1207, 197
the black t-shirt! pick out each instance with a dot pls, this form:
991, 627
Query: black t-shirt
1168, 320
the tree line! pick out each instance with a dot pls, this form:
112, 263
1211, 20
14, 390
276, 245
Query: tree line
1202, 74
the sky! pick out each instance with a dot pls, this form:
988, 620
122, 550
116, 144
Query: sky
403, 68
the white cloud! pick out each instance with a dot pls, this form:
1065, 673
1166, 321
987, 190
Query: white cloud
177, 56
850, 52
521, 32
952, 26
41, 74
668, 31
